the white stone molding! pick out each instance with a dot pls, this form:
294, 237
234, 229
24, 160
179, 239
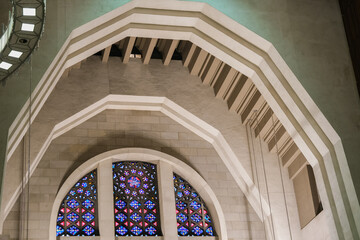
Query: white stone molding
168, 163
175, 112
300, 116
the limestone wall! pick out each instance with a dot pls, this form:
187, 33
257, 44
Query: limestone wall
115, 129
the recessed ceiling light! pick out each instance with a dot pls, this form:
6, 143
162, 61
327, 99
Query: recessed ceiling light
15, 54
27, 27
5, 65
29, 12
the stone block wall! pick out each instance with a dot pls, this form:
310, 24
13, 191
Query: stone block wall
113, 129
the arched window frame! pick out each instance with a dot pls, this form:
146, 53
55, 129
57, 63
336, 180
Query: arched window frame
166, 167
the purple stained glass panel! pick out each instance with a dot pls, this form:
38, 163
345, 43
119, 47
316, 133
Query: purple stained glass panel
77, 215
192, 215
136, 199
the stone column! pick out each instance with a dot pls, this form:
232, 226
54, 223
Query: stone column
106, 201
167, 201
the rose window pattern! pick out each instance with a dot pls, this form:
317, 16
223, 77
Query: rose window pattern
77, 215
193, 217
136, 199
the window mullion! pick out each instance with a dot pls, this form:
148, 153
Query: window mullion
167, 201
106, 201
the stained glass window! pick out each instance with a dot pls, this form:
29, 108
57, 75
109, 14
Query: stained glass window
193, 217
77, 215
136, 199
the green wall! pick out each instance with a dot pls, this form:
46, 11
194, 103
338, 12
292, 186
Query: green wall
308, 34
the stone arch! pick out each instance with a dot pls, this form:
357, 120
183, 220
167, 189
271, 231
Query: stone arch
242, 50
145, 155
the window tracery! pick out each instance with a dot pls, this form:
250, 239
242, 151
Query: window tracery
77, 215
193, 217
136, 199
136, 204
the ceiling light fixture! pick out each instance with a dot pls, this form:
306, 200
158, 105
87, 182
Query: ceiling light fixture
5, 65
29, 12
15, 54
27, 27
23, 32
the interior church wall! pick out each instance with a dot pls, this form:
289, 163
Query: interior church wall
308, 34
107, 131
113, 129
310, 37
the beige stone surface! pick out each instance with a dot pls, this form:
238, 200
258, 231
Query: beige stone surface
70, 150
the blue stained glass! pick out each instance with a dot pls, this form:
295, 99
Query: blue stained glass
194, 194
150, 217
88, 230
149, 204
183, 230
121, 217
195, 205
88, 217
87, 203
134, 182
135, 217
196, 218
181, 217
136, 230
76, 214
181, 205
59, 230
210, 231
60, 217
73, 217
197, 231
73, 230
187, 197
121, 230
72, 203
120, 204
150, 230
135, 204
